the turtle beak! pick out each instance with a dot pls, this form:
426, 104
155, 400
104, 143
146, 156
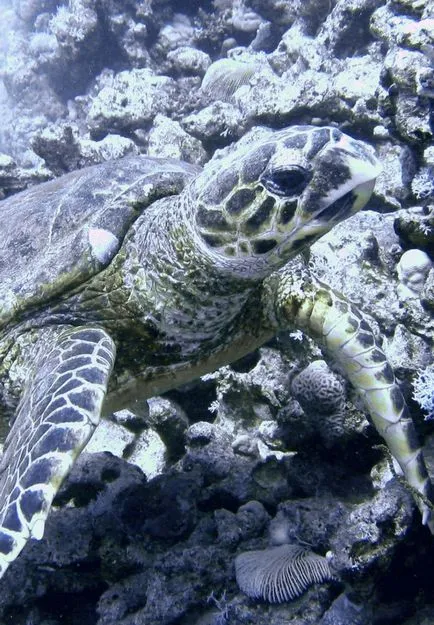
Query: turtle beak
344, 175
348, 204
362, 166
344, 178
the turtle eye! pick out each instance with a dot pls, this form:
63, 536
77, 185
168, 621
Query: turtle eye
287, 182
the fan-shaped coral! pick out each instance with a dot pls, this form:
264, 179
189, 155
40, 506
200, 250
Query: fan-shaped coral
225, 76
280, 573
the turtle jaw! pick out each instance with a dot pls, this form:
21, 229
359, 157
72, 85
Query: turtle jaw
325, 202
346, 205
306, 232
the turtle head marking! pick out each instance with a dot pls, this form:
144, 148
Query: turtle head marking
259, 203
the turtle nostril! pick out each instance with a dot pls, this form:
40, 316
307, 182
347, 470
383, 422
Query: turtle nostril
336, 134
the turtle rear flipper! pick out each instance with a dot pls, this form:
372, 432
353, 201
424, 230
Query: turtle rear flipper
57, 415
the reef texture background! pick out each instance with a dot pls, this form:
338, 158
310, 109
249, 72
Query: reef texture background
273, 448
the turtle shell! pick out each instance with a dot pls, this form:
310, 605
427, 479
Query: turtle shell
49, 233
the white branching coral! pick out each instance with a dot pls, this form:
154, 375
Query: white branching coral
422, 184
423, 390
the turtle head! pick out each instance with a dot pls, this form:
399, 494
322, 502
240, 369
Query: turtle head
261, 202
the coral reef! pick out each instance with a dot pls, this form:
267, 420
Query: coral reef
423, 390
413, 269
275, 444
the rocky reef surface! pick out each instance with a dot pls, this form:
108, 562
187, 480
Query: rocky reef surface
272, 449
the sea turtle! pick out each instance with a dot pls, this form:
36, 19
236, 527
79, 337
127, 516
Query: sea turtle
128, 278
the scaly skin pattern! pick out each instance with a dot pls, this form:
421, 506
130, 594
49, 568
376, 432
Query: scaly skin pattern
65, 396
175, 282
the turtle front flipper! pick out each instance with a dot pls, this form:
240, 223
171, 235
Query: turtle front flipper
326, 316
57, 415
